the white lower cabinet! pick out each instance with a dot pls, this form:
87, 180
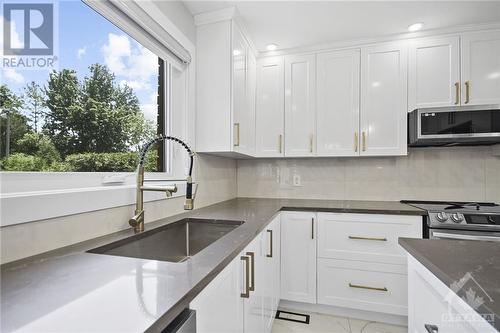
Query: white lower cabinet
272, 281
365, 237
298, 256
434, 308
244, 296
362, 285
338, 259
219, 307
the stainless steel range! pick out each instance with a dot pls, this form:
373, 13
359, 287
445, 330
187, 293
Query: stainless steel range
460, 220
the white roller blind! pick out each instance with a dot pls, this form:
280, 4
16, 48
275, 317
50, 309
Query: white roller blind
135, 21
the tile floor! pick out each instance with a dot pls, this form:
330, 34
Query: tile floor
320, 323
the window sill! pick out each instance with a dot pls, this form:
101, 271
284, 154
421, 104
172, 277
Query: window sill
24, 207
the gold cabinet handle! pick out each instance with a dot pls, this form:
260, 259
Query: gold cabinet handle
363, 139
368, 238
356, 143
311, 143
467, 92
367, 287
457, 93
280, 143
246, 294
237, 141
270, 255
252, 275
312, 228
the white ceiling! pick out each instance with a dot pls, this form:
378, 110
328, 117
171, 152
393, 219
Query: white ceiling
300, 23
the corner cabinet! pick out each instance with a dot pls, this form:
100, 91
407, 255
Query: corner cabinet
454, 70
270, 108
383, 120
300, 105
225, 114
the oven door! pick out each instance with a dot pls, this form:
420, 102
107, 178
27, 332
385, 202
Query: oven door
464, 235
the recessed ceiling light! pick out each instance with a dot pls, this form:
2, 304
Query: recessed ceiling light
415, 26
271, 47
236, 52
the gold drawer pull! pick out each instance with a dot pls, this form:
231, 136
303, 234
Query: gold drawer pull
246, 294
237, 141
383, 239
467, 92
457, 93
270, 255
356, 142
366, 287
363, 139
281, 143
252, 274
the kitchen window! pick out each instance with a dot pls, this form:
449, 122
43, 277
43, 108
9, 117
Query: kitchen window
125, 80
92, 113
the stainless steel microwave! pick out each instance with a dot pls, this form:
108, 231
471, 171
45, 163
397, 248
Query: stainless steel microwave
454, 126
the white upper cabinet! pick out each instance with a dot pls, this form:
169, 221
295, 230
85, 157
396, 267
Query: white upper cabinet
300, 112
338, 75
270, 108
453, 71
384, 99
434, 73
225, 115
481, 68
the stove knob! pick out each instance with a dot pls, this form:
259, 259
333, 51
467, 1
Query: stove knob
442, 216
457, 218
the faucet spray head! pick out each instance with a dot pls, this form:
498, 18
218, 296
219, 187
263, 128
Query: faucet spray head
189, 204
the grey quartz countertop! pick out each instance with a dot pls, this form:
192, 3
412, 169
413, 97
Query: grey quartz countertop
452, 260
71, 290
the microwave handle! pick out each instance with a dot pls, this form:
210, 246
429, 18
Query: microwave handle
465, 237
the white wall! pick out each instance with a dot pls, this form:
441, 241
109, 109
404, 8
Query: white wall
180, 16
460, 173
217, 182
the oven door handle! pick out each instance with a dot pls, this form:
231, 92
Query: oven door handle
465, 237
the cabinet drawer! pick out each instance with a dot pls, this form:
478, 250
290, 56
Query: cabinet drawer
367, 286
365, 237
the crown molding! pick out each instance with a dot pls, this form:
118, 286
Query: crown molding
219, 15
388, 38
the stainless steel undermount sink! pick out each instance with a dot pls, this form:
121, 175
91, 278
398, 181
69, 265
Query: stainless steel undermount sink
174, 242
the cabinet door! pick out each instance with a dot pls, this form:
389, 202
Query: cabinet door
247, 134
270, 107
338, 103
271, 251
433, 73
239, 49
219, 307
300, 114
253, 319
383, 100
481, 68
298, 257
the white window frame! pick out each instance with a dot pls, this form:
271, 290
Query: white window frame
33, 196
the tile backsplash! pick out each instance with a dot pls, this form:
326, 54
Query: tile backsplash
458, 173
